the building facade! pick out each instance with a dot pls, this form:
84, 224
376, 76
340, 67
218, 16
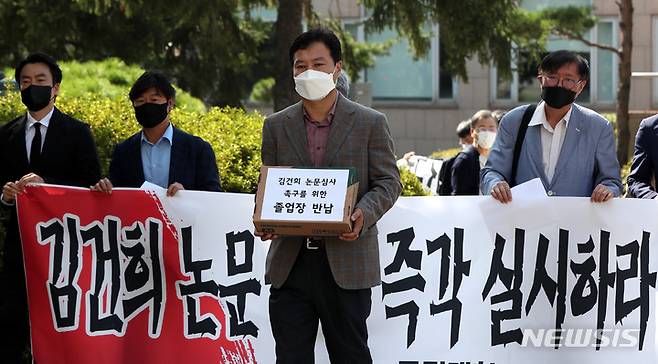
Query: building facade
424, 103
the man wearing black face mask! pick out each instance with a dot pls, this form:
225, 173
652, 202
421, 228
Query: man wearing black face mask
569, 147
160, 153
44, 145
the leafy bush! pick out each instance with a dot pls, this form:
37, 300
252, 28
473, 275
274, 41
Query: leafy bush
234, 135
625, 171
262, 91
96, 93
445, 154
411, 185
110, 78
236, 139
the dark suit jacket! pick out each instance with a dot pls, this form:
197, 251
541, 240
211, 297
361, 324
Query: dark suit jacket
465, 174
192, 163
645, 158
359, 138
68, 157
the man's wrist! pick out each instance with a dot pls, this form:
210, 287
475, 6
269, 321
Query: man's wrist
2, 200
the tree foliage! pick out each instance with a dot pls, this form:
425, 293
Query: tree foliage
357, 56
482, 28
411, 185
286, 28
492, 31
207, 46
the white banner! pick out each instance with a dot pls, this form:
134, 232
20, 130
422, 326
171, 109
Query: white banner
465, 279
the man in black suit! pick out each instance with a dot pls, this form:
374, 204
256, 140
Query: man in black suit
160, 153
644, 174
42, 146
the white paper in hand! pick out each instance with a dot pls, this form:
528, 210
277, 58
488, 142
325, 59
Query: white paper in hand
148, 186
530, 190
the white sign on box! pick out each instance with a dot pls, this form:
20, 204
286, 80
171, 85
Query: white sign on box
300, 194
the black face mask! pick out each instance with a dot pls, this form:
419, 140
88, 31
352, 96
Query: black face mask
36, 97
149, 115
557, 97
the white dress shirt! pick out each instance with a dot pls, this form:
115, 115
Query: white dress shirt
29, 130
483, 161
551, 138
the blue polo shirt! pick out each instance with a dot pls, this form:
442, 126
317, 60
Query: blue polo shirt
156, 157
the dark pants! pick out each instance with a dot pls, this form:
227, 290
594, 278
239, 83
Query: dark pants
311, 294
14, 347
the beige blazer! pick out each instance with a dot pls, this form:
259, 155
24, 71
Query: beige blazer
359, 138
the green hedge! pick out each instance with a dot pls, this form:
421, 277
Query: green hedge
411, 185
110, 78
233, 133
445, 154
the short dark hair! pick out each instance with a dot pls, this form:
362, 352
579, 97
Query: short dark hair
150, 79
481, 115
39, 57
464, 128
554, 60
311, 36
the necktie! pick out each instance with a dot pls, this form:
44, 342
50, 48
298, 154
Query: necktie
35, 151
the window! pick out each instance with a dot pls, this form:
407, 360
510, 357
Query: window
541, 4
606, 63
399, 77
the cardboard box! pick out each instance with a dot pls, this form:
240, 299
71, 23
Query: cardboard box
313, 197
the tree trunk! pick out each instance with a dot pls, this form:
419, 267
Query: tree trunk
624, 90
287, 27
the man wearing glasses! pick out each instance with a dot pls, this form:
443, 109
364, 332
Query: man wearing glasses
569, 147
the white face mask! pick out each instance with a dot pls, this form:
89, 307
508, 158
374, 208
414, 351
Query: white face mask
486, 139
314, 85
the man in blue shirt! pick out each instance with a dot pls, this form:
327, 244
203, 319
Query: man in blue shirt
160, 153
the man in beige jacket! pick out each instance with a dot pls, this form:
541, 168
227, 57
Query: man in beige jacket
328, 279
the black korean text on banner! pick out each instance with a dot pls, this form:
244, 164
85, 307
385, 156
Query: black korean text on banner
123, 256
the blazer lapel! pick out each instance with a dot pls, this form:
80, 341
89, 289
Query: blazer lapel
570, 141
18, 142
533, 138
296, 131
341, 126
175, 162
136, 152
